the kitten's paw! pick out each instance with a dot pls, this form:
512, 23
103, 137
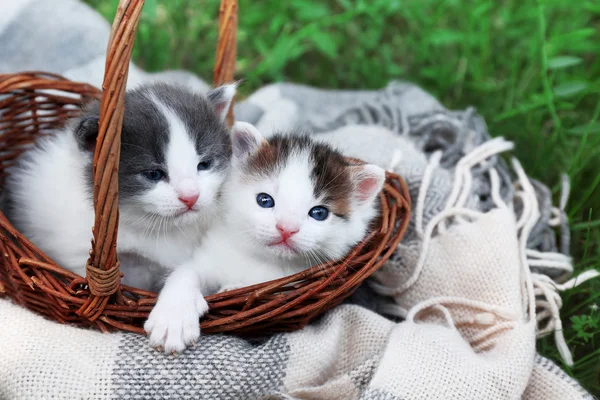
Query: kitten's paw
227, 288
174, 323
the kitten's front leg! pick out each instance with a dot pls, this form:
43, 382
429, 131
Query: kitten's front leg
174, 322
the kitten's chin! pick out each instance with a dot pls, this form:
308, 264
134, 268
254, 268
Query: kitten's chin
294, 253
152, 221
283, 250
191, 217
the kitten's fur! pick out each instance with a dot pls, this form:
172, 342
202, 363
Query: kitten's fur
298, 174
165, 127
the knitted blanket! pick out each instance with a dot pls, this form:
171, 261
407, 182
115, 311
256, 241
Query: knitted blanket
454, 314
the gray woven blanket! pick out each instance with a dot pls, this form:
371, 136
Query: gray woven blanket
464, 283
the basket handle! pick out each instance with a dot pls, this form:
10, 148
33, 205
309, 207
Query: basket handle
226, 48
102, 267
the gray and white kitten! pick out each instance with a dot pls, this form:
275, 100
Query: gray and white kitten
291, 203
175, 155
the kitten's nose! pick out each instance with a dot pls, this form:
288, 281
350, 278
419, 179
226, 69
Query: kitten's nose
286, 230
189, 201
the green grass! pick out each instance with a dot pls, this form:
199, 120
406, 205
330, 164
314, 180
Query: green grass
531, 68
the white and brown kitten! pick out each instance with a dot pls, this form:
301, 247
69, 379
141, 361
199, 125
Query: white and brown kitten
175, 155
290, 203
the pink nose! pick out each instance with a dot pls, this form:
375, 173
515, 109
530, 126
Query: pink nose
189, 201
286, 231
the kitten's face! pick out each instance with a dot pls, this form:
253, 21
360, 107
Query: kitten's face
297, 199
175, 155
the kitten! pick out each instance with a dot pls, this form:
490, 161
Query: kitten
290, 203
175, 155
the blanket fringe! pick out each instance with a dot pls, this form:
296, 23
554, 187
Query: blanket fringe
541, 296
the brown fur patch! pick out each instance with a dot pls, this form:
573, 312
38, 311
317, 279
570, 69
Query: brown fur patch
264, 161
331, 173
332, 178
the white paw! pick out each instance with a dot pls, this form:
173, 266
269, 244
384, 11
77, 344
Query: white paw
227, 288
174, 323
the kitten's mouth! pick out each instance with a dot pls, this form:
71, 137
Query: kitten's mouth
186, 211
283, 244
185, 216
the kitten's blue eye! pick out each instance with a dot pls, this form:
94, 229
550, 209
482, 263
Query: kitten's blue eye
319, 213
265, 201
155, 174
204, 165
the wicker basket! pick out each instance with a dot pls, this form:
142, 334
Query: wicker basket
32, 104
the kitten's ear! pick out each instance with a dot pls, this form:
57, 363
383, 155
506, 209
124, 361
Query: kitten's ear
245, 139
86, 132
368, 182
221, 98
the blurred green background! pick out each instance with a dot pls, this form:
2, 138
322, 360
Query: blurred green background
531, 68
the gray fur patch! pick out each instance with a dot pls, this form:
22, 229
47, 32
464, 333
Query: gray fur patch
145, 134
